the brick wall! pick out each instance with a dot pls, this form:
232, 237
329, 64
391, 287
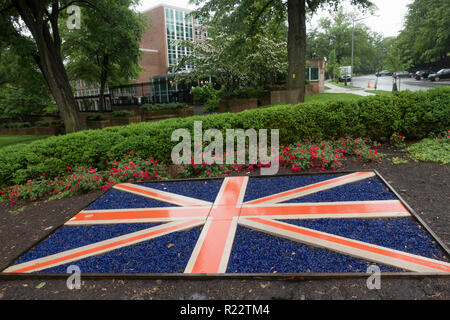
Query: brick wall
154, 63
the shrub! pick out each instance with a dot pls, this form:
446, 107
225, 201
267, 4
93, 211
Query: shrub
132, 168
204, 93
96, 117
121, 114
42, 124
247, 92
161, 106
14, 125
56, 122
212, 104
415, 115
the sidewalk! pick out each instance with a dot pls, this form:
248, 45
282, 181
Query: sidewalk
335, 89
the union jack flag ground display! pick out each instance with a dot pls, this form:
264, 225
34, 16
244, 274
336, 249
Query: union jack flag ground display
323, 223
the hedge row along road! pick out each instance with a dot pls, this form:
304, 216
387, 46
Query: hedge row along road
412, 114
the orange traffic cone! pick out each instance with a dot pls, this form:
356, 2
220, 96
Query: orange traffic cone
375, 85
368, 84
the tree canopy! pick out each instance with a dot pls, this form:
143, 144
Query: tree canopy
234, 60
105, 49
426, 33
335, 33
34, 27
248, 18
22, 96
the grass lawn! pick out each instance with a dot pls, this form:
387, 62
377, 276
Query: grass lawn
13, 139
342, 85
379, 92
323, 97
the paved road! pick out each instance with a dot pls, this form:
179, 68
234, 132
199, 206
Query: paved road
385, 83
337, 89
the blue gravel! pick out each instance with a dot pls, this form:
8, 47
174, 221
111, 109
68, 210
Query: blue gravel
403, 234
115, 199
258, 187
71, 237
364, 190
151, 256
258, 252
206, 190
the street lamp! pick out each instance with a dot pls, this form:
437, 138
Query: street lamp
353, 35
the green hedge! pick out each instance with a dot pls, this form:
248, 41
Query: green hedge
96, 117
161, 106
413, 115
121, 114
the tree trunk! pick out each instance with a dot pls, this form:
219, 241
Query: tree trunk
296, 51
103, 78
49, 57
61, 90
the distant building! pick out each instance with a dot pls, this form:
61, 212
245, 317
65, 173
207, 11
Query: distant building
167, 23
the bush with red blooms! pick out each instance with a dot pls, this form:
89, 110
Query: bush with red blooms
308, 154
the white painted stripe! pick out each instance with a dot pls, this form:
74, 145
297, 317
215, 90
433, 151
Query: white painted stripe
144, 220
221, 192
198, 246
175, 197
307, 204
228, 246
335, 216
242, 192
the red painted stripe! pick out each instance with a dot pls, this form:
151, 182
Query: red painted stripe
231, 192
211, 252
158, 196
143, 214
324, 209
353, 244
213, 246
103, 247
308, 187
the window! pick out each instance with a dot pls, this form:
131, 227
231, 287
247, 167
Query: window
198, 34
312, 74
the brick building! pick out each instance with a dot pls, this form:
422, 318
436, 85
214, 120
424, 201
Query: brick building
166, 23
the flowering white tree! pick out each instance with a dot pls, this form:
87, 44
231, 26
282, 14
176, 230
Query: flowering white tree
234, 60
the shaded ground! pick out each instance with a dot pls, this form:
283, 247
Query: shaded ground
425, 186
6, 140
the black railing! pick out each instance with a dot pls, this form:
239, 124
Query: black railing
124, 95
92, 104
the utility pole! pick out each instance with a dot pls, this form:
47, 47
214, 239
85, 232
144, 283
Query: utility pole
353, 35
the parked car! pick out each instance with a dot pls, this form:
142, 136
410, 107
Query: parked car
441, 74
343, 78
423, 74
401, 74
383, 73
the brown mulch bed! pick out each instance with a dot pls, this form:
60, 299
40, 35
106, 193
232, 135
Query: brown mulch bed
424, 186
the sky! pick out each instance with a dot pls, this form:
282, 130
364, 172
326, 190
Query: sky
389, 22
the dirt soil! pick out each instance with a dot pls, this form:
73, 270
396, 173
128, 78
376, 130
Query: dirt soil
424, 186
